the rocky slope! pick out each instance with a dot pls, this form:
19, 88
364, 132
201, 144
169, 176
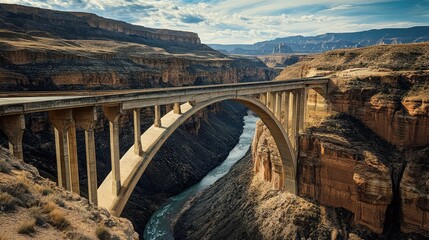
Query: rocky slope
33, 207
382, 182
242, 205
331, 41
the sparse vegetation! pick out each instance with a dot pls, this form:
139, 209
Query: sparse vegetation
7, 202
5, 167
27, 227
58, 219
103, 233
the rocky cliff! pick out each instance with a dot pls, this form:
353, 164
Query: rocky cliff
51, 50
33, 207
242, 205
372, 162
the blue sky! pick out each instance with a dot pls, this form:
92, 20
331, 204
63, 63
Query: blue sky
249, 21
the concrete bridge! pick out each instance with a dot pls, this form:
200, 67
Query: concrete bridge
274, 102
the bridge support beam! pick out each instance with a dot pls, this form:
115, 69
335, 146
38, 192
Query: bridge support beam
138, 150
86, 118
66, 149
13, 126
263, 98
278, 105
302, 109
270, 101
157, 121
176, 108
113, 113
295, 118
286, 97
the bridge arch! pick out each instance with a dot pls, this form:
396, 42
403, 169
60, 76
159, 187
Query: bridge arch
133, 166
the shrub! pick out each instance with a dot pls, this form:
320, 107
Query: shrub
5, 167
49, 207
58, 219
22, 194
46, 191
27, 227
37, 213
7, 202
103, 233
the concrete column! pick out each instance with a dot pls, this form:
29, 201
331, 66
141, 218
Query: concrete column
137, 133
263, 98
286, 111
176, 108
302, 109
66, 149
86, 118
270, 101
278, 105
74, 167
113, 113
295, 118
157, 121
13, 126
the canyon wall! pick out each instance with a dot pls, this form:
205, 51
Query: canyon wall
384, 184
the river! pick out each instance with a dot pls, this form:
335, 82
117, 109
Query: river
160, 224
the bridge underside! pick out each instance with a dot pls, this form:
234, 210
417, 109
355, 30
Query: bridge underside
132, 165
281, 105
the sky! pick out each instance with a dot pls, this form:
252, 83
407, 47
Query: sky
250, 21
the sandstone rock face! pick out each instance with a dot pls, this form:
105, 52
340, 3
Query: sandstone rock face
337, 167
242, 205
338, 175
415, 192
401, 121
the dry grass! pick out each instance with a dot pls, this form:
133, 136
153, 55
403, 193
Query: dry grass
7, 202
58, 219
103, 233
27, 227
5, 167
49, 207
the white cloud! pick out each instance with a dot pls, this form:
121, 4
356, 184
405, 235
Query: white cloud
229, 21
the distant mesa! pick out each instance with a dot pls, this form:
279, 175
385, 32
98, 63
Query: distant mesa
329, 41
84, 26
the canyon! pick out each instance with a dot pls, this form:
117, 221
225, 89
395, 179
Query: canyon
363, 156
363, 160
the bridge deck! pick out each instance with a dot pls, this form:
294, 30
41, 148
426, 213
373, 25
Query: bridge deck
18, 103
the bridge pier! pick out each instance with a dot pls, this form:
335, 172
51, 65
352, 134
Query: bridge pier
270, 101
66, 149
278, 105
86, 118
263, 98
113, 113
157, 121
176, 108
302, 108
138, 150
286, 96
13, 126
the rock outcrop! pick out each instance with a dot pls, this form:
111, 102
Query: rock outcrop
381, 178
414, 192
33, 207
242, 205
